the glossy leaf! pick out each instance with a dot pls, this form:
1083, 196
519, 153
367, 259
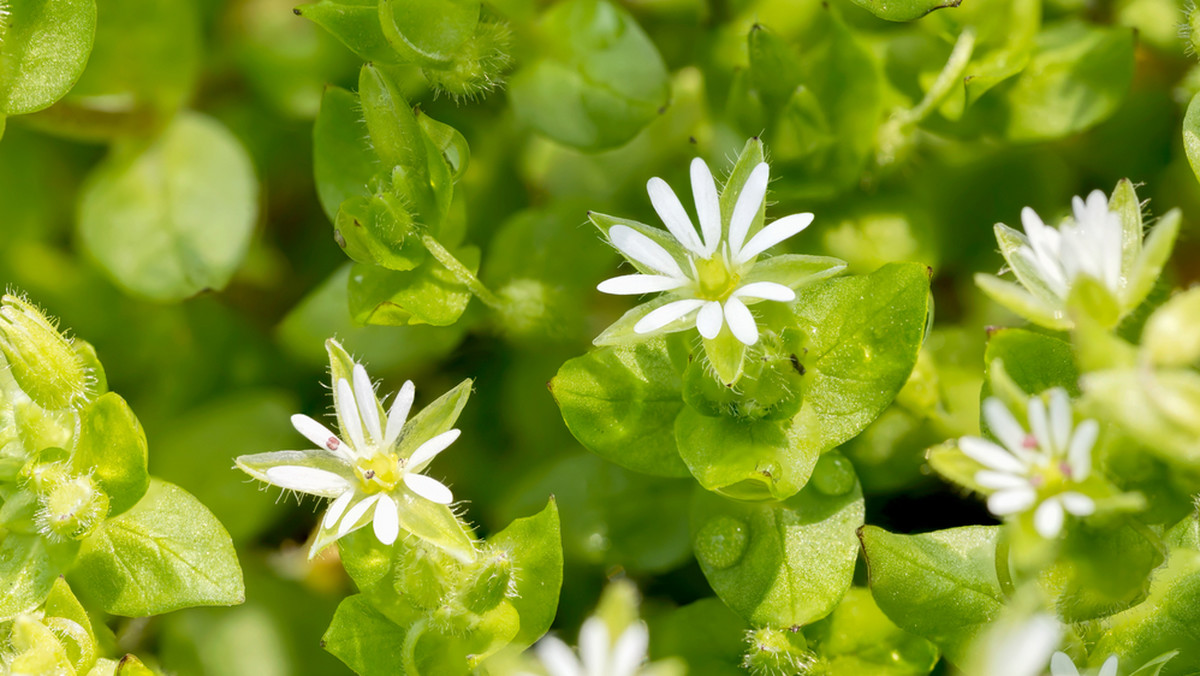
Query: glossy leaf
26, 574
44, 46
535, 545
428, 294
904, 10
112, 448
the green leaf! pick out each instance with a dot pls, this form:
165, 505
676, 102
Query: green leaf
26, 574
781, 563
1078, 76
603, 82
1034, 361
857, 638
172, 218
356, 24
112, 448
1191, 134
428, 33
863, 335
166, 553
706, 634
941, 585
343, 161
428, 294
1101, 570
621, 403
1165, 621
744, 459
366, 640
44, 46
904, 10
535, 547
1171, 336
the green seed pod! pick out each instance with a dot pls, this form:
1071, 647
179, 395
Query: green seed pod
478, 66
493, 582
420, 579
777, 652
43, 363
71, 508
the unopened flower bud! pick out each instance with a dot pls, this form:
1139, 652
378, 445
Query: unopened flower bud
493, 583
478, 66
42, 362
777, 652
72, 508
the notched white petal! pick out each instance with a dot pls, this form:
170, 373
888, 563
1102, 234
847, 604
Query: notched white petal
1011, 501
748, 203
1048, 519
343, 401
765, 291
364, 396
336, 509
317, 433
710, 319
671, 211
356, 513
773, 234
708, 205
990, 455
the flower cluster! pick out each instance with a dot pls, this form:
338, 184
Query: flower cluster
1036, 469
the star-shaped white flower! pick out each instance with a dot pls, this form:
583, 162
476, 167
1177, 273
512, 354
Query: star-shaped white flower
1013, 647
1088, 244
1061, 665
710, 274
598, 654
367, 472
1035, 468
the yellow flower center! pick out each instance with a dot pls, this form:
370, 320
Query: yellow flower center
714, 279
378, 473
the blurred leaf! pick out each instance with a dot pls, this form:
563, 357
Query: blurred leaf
343, 161
601, 82
172, 218
706, 634
857, 638
166, 553
44, 46
904, 10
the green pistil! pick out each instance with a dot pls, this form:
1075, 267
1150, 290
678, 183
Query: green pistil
379, 473
714, 279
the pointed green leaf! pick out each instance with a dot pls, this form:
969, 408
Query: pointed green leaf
535, 545
356, 24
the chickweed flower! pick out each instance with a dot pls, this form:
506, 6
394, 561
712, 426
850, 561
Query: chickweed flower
1101, 240
1037, 469
1017, 648
373, 471
1061, 665
599, 655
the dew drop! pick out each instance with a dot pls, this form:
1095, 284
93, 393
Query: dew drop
833, 475
722, 542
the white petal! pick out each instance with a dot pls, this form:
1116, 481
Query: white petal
636, 285
386, 520
336, 509
1060, 418
740, 321
355, 514
398, 414
765, 291
1060, 664
1078, 503
1006, 428
673, 216
557, 657
428, 450
773, 234
317, 433
307, 480
364, 394
1109, 668
660, 317
1011, 501
746, 208
429, 488
1079, 453
708, 205
1048, 519
990, 455
1039, 424
1000, 480
343, 401
644, 250
709, 319
594, 647
630, 651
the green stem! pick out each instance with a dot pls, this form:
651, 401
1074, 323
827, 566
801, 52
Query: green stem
409, 652
1003, 574
462, 273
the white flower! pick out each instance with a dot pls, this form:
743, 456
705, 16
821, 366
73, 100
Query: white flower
1037, 467
1018, 648
709, 276
363, 471
598, 655
1061, 665
1088, 244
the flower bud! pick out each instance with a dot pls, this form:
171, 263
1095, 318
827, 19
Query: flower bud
420, 579
777, 652
493, 582
71, 507
478, 65
43, 363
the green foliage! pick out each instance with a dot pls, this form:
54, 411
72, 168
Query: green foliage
44, 46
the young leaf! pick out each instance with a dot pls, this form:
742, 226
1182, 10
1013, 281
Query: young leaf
356, 24
112, 448
365, 639
535, 547
621, 403
428, 33
172, 218
941, 585
1034, 361
343, 161
44, 45
779, 563
428, 294
166, 553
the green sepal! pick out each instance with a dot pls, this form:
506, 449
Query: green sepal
436, 418
1148, 267
1171, 336
435, 524
167, 552
779, 563
726, 355
941, 586
39, 358
257, 464
112, 448
1017, 299
449, 141
751, 156
1124, 202
621, 403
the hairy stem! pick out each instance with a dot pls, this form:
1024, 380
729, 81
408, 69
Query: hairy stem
462, 273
